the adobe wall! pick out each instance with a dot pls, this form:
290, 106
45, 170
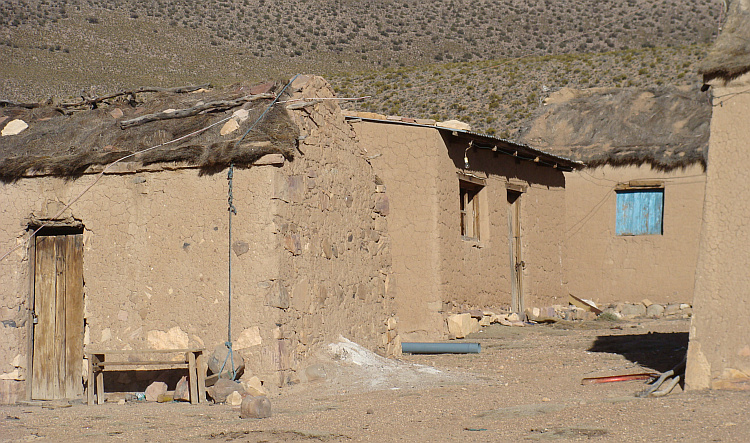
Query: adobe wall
154, 259
407, 160
311, 256
478, 275
719, 349
334, 249
607, 268
435, 269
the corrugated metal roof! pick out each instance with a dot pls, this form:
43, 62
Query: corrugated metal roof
522, 151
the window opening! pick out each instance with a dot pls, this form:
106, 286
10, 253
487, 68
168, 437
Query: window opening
640, 212
470, 209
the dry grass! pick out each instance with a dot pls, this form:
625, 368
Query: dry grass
448, 59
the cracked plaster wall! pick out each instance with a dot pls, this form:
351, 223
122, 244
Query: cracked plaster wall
154, 259
719, 349
435, 269
607, 268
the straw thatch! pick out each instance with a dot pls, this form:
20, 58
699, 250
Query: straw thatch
665, 127
65, 144
730, 56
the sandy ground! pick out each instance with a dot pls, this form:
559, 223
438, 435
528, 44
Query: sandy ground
524, 385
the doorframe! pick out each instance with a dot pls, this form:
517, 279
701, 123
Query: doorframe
48, 228
514, 193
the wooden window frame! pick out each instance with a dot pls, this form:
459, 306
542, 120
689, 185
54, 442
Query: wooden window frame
470, 191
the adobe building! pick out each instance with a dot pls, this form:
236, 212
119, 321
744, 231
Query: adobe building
719, 348
474, 220
140, 258
357, 228
633, 215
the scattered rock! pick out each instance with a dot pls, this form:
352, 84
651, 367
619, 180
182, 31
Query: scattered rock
229, 127
654, 311
182, 391
630, 310
646, 302
672, 308
155, 389
223, 387
234, 399
254, 386
14, 127
461, 325
454, 124
255, 407
219, 360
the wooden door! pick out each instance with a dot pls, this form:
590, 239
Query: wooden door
58, 310
516, 261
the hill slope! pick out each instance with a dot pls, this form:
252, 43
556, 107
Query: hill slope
87, 47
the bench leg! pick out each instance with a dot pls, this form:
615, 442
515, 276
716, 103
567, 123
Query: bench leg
193, 376
100, 388
201, 368
90, 382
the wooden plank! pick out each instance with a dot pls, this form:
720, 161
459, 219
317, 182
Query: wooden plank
30, 315
58, 358
142, 351
90, 382
170, 364
193, 378
44, 308
73, 316
200, 361
513, 270
98, 360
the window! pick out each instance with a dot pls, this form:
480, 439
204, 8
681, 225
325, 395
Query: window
470, 191
640, 211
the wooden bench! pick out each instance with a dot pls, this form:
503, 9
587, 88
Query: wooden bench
100, 361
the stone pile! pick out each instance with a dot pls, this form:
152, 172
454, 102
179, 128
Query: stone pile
465, 323
461, 325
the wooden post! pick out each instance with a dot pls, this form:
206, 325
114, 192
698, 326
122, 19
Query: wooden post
99, 380
193, 377
201, 368
90, 383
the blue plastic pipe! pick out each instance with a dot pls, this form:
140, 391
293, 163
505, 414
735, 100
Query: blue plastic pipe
440, 348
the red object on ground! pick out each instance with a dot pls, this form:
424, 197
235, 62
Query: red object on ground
614, 378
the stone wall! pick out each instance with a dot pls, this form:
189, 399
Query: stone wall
719, 349
607, 268
333, 243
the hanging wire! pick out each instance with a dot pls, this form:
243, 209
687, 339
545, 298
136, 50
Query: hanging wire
233, 211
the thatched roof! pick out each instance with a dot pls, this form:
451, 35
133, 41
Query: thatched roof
730, 56
664, 127
63, 141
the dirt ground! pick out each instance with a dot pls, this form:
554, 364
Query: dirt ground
524, 385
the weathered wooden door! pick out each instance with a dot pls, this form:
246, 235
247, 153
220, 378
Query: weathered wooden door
514, 242
58, 311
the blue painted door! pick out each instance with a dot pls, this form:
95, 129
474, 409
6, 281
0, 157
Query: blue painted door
640, 212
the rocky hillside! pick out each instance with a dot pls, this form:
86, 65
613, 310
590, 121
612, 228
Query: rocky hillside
460, 58
500, 96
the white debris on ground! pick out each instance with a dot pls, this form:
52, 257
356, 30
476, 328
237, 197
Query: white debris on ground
358, 365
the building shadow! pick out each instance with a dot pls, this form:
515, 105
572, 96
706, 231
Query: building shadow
656, 350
